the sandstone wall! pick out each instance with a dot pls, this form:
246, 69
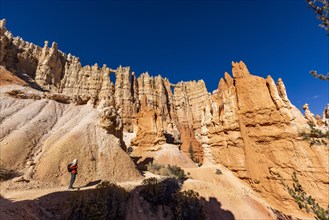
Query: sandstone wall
248, 124
257, 135
51, 70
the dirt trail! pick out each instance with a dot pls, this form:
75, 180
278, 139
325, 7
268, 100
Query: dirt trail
24, 193
223, 194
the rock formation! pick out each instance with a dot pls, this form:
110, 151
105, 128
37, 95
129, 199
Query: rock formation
325, 116
55, 72
248, 124
150, 128
49, 71
256, 135
40, 136
190, 99
309, 115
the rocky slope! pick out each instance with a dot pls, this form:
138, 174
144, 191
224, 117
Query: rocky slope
40, 134
53, 108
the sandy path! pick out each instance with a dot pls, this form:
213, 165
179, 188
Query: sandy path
224, 196
30, 194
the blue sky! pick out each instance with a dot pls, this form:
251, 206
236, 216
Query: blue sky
186, 40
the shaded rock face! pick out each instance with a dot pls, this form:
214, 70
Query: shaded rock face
255, 133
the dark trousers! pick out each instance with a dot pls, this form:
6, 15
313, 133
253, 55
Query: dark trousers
73, 175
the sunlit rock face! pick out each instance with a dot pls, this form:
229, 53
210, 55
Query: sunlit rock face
248, 124
256, 134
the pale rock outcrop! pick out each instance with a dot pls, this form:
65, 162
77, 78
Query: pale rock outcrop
91, 81
123, 96
49, 71
309, 115
210, 110
319, 121
111, 122
159, 96
16, 55
190, 101
274, 93
283, 92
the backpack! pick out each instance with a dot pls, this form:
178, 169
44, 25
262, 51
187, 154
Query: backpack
69, 167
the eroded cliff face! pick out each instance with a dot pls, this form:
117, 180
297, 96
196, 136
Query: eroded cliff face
257, 135
248, 124
51, 70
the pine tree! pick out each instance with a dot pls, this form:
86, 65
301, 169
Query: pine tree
321, 9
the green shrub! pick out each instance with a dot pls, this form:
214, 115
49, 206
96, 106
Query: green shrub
314, 133
184, 205
315, 136
305, 201
130, 150
172, 171
187, 206
176, 171
192, 156
107, 201
218, 172
160, 192
154, 167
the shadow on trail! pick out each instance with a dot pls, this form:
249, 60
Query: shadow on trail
144, 202
92, 183
214, 209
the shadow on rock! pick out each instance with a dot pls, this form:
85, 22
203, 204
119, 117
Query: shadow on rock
142, 165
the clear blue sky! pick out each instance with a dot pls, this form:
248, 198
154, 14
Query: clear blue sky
186, 40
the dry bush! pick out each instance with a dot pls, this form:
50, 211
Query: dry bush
172, 171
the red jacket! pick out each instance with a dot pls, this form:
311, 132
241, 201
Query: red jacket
74, 169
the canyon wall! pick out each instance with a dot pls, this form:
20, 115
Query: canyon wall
48, 69
248, 124
256, 134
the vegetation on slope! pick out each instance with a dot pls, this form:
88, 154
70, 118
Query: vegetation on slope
305, 201
171, 171
315, 136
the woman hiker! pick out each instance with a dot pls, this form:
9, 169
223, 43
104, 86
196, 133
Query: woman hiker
74, 171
